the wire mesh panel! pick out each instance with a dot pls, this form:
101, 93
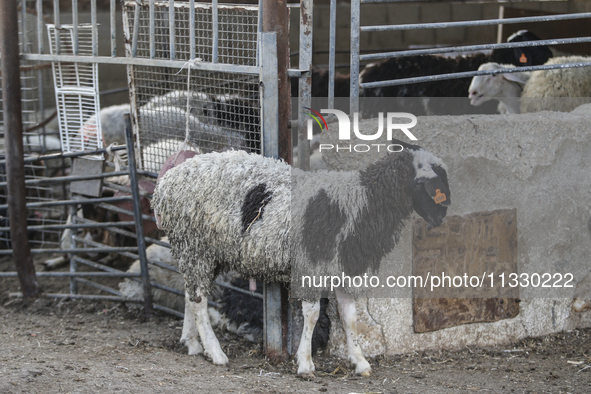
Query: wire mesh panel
37, 139
76, 90
224, 107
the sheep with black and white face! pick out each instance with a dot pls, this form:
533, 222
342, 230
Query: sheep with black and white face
235, 211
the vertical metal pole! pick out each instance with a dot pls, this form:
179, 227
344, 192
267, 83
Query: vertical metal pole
73, 264
215, 28
152, 17
171, 28
136, 28
270, 87
13, 139
94, 27
331, 52
277, 143
355, 20
259, 31
193, 55
75, 27
40, 43
137, 213
24, 39
113, 12
58, 25
305, 83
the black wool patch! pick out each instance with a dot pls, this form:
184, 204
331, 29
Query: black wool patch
254, 205
322, 223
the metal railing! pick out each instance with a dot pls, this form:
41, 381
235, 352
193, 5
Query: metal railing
356, 57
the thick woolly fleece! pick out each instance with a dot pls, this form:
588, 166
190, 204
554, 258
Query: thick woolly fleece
562, 89
243, 212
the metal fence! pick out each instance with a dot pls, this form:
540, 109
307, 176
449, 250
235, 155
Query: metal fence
356, 57
204, 57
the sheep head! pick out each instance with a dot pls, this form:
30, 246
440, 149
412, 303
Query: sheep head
430, 190
487, 87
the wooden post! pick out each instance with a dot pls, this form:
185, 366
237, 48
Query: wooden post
13, 137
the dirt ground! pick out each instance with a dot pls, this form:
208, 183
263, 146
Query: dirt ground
74, 346
70, 346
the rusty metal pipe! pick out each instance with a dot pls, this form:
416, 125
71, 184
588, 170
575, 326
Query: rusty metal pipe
13, 129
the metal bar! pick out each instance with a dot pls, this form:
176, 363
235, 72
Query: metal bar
98, 266
305, 82
270, 88
113, 12
72, 202
171, 29
53, 156
238, 289
97, 286
57, 23
124, 189
202, 66
82, 297
169, 311
466, 74
137, 210
75, 27
124, 211
58, 179
487, 22
136, 28
13, 140
105, 225
272, 320
259, 31
192, 29
40, 24
355, 31
469, 48
75, 274
128, 234
24, 26
152, 23
215, 28
331, 55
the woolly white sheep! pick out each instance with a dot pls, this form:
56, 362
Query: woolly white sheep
161, 122
233, 211
561, 89
134, 289
155, 154
506, 88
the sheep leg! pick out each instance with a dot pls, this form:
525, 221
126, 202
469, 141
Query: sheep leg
311, 311
348, 314
208, 338
190, 335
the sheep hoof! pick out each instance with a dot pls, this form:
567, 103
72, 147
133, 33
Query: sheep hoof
193, 345
219, 359
363, 368
307, 375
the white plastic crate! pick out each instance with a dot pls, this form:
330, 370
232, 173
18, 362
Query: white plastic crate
76, 90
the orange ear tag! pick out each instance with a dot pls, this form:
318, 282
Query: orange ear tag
439, 197
523, 58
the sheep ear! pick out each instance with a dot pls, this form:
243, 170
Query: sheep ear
515, 77
438, 191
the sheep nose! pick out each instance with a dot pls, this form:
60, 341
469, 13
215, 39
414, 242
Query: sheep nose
472, 93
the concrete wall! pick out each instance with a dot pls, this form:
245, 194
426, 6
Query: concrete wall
537, 163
